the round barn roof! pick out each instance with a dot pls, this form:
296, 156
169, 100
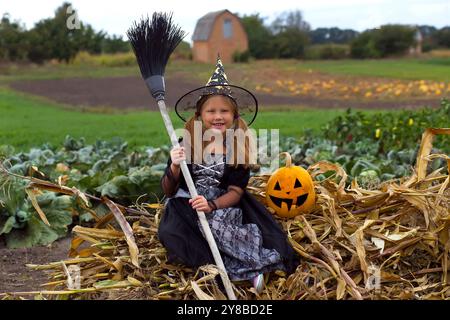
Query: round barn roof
205, 24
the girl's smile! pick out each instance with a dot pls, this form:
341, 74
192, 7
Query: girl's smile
218, 125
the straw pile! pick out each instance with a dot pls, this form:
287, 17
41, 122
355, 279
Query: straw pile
389, 243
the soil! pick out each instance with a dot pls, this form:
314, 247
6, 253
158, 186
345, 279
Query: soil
131, 93
15, 276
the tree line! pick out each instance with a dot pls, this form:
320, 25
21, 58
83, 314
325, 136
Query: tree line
288, 36
19, 44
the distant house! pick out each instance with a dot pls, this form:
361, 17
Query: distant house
416, 49
419, 40
218, 32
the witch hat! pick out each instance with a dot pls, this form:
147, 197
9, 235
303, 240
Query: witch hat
218, 84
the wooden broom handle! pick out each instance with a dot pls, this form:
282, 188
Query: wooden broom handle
201, 215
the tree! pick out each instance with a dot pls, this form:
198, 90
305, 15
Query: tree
386, 41
364, 46
12, 47
290, 20
427, 31
394, 39
429, 40
286, 37
290, 43
259, 36
332, 35
182, 51
443, 37
290, 35
114, 44
86, 39
39, 50
53, 39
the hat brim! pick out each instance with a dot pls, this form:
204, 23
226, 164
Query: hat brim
247, 103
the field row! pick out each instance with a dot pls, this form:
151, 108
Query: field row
29, 121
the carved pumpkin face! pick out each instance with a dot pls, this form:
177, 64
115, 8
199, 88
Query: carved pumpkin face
290, 190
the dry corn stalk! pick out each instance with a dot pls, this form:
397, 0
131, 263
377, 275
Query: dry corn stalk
391, 243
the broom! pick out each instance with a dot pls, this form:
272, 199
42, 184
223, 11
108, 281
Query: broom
153, 41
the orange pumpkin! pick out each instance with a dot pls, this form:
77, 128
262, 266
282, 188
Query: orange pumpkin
290, 190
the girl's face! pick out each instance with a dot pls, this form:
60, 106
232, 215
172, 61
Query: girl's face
217, 113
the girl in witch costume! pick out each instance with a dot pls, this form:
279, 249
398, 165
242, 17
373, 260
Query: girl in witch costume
251, 242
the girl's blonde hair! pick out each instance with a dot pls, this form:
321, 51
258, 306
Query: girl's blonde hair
238, 148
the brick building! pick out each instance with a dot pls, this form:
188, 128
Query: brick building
218, 32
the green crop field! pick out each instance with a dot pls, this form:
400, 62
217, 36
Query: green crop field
28, 121
437, 69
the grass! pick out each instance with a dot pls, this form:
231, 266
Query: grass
17, 72
437, 69
28, 121
61, 71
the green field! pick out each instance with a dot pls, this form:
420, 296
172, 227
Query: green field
437, 69
28, 121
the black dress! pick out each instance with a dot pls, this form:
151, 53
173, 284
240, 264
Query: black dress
248, 237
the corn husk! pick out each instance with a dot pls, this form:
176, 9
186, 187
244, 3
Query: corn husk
392, 242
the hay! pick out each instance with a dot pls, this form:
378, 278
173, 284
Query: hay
389, 243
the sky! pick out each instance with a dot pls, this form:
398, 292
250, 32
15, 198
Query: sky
115, 17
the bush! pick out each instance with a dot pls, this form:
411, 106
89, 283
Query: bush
387, 41
290, 43
390, 131
327, 51
373, 148
394, 39
182, 51
428, 47
114, 44
239, 56
107, 60
332, 35
443, 37
364, 46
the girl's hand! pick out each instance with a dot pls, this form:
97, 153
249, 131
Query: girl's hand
177, 155
201, 204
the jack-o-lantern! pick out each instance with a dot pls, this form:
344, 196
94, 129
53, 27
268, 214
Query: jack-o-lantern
290, 190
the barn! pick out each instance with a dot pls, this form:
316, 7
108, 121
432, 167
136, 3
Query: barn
218, 32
